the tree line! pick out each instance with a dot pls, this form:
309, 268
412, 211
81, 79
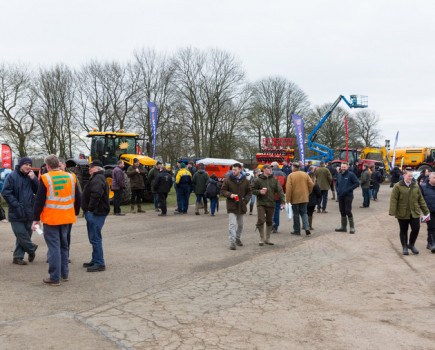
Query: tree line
206, 106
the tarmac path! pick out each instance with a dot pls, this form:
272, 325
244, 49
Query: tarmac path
172, 283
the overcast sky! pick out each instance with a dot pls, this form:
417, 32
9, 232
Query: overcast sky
382, 49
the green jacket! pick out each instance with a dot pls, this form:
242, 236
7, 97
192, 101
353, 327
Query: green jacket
199, 180
407, 201
242, 188
152, 176
365, 179
273, 186
324, 178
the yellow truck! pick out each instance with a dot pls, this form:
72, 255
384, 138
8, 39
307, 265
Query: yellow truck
419, 158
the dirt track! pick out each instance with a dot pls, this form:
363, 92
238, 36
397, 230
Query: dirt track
172, 283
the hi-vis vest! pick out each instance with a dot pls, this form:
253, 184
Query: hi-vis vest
59, 203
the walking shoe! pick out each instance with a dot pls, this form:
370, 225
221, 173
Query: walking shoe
362, 206
177, 212
307, 232
318, 210
239, 243
405, 250
433, 249
413, 249
119, 214
96, 268
50, 282
233, 246
428, 246
19, 261
157, 210
161, 214
32, 255
324, 211
64, 279
89, 264
269, 243
261, 244
295, 233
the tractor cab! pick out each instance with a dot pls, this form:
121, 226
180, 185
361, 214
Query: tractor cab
109, 147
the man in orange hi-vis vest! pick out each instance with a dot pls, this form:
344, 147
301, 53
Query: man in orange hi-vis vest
57, 203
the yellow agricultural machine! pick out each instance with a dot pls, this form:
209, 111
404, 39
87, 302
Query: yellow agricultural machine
109, 147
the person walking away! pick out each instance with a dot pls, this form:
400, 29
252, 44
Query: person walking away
395, 176
282, 178
298, 189
184, 184
334, 173
57, 204
136, 173
212, 191
407, 204
286, 168
162, 186
257, 173
324, 180
118, 186
346, 183
199, 182
237, 190
155, 170
18, 191
313, 199
365, 186
428, 192
377, 180
95, 205
266, 188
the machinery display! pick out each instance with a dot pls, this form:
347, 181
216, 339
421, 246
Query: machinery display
418, 158
109, 147
276, 150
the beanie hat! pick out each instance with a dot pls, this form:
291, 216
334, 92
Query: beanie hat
25, 160
135, 160
202, 166
182, 165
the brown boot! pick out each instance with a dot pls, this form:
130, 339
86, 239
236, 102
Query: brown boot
261, 231
132, 209
206, 208
139, 209
268, 231
310, 221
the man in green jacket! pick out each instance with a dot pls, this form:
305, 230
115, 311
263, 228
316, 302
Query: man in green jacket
265, 187
365, 186
324, 179
154, 172
199, 182
237, 190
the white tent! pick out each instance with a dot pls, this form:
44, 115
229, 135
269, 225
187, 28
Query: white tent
217, 161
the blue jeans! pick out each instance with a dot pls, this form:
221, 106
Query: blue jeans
198, 198
184, 190
375, 190
56, 237
276, 214
300, 210
366, 196
252, 199
156, 200
213, 202
178, 195
321, 202
23, 233
95, 224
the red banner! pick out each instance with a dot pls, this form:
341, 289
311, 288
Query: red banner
6, 156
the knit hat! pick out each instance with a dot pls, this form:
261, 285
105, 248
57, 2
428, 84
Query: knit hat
96, 162
25, 160
202, 166
135, 160
182, 165
159, 162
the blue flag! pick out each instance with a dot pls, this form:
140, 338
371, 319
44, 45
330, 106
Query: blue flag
153, 116
300, 136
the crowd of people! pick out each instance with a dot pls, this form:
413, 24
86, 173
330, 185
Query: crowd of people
57, 198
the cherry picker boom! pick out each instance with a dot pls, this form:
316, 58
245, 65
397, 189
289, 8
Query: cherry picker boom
326, 153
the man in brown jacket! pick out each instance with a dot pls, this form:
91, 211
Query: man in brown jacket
324, 179
298, 189
237, 190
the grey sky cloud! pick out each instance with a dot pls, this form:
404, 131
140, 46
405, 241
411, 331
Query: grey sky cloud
378, 48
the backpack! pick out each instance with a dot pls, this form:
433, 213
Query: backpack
211, 190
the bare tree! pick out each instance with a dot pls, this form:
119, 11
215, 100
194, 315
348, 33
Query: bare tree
367, 127
16, 107
206, 82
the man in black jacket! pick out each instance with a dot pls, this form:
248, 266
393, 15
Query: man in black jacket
162, 186
95, 205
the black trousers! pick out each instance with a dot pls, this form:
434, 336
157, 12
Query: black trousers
310, 210
162, 202
136, 194
415, 228
345, 205
117, 198
431, 229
